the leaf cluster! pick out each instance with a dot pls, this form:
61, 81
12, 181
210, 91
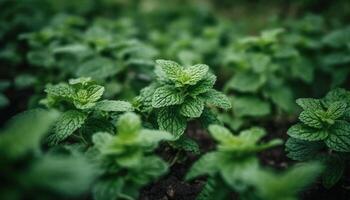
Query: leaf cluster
322, 133
82, 109
180, 94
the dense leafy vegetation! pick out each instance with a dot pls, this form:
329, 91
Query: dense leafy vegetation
201, 100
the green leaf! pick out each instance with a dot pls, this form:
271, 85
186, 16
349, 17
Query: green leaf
335, 167
94, 93
61, 90
166, 96
336, 110
144, 100
220, 133
208, 117
192, 107
335, 95
68, 122
79, 50
195, 73
169, 120
41, 58
208, 164
309, 104
24, 132
203, 85
310, 118
151, 168
153, 137
128, 125
24, 81
252, 135
113, 106
171, 69
82, 81
107, 189
86, 98
337, 38
246, 82
98, 68
217, 98
339, 137
302, 150
233, 173
303, 132
283, 98
187, 144
214, 188
250, 106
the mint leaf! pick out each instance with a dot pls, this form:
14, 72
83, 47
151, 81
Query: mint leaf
339, 137
283, 98
220, 133
187, 144
309, 104
68, 122
206, 165
203, 85
166, 96
192, 107
107, 189
61, 90
151, 138
335, 95
303, 132
246, 82
86, 98
195, 73
250, 106
217, 98
213, 189
81, 81
169, 120
128, 125
336, 110
302, 150
98, 68
171, 69
310, 118
113, 106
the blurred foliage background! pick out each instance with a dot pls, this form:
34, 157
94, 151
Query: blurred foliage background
265, 54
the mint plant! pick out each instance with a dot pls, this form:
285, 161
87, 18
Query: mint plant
23, 161
83, 111
234, 166
323, 133
126, 158
70, 46
234, 157
261, 68
180, 94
